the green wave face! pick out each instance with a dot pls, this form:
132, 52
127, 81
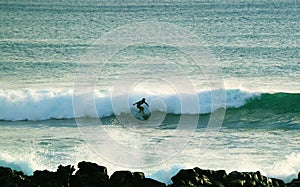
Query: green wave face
270, 111
279, 103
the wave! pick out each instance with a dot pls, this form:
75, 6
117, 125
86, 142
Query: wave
34, 105
278, 103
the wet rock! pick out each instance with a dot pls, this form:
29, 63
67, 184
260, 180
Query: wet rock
52, 179
212, 178
236, 179
277, 183
128, 179
89, 167
294, 183
121, 179
12, 178
188, 177
150, 183
89, 174
198, 177
93, 175
139, 175
249, 179
64, 174
45, 178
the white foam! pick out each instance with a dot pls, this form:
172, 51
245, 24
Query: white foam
287, 169
165, 175
35, 104
29, 104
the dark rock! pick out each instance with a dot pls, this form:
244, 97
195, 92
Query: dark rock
93, 175
257, 176
12, 178
260, 179
64, 174
277, 183
89, 174
236, 179
52, 179
253, 178
121, 179
150, 183
212, 178
199, 177
249, 179
89, 167
128, 179
220, 175
236, 182
138, 175
294, 183
45, 178
185, 176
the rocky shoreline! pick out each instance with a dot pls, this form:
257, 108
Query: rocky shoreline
92, 175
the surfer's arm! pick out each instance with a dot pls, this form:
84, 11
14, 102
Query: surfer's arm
147, 104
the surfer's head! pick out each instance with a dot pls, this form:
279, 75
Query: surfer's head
143, 99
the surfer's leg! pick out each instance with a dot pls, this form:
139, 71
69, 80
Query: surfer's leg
141, 109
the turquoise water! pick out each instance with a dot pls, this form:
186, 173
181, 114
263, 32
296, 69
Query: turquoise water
257, 39
45, 46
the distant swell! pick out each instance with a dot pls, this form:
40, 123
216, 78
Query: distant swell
49, 104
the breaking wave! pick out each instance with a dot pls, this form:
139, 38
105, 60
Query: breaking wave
29, 104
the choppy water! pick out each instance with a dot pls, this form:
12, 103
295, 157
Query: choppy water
48, 48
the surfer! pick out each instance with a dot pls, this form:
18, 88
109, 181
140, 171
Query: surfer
139, 103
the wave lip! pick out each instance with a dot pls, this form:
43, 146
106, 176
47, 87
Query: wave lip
35, 105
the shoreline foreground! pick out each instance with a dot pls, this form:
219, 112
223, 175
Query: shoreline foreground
93, 175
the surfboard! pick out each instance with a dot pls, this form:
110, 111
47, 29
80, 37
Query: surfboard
141, 116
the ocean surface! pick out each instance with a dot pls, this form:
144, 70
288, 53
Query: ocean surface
221, 79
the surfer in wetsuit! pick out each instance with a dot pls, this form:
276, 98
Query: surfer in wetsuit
139, 103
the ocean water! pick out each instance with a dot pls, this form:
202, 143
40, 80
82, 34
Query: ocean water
221, 79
